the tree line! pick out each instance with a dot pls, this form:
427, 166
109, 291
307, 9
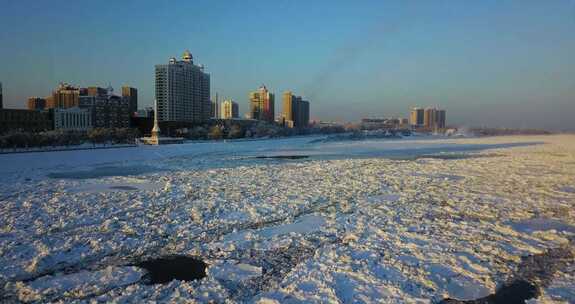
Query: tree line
109, 136
59, 138
260, 129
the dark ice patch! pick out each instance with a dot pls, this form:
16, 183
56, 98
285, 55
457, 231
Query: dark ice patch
283, 157
125, 188
164, 270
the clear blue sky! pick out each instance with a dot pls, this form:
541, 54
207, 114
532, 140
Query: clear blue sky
489, 62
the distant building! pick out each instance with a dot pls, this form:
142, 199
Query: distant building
65, 96
303, 114
215, 108
403, 122
143, 120
36, 103
107, 110
72, 119
24, 120
383, 123
94, 91
131, 94
229, 110
182, 91
416, 117
430, 118
262, 104
441, 114
145, 112
295, 112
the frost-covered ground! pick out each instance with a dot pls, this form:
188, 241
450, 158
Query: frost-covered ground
413, 221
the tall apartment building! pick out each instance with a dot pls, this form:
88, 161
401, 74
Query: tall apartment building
262, 104
182, 91
36, 103
429, 118
295, 112
131, 94
215, 108
416, 117
229, 109
441, 117
65, 96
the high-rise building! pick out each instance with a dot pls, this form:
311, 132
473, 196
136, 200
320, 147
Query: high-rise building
230, 109
262, 104
131, 94
303, 118
36, 103
416, 117
94, 91
1, 97
430, 118
289, 102
441, 119
295, 112
65, 96
215, 108
182, 91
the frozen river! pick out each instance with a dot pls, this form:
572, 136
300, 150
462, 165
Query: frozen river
293, 220
205, 155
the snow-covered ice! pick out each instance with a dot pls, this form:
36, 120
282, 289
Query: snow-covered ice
393, 221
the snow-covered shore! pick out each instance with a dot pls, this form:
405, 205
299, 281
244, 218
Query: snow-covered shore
375, 221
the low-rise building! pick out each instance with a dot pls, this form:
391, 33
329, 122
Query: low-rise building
108, 110
24, 120
72, 119
145, 112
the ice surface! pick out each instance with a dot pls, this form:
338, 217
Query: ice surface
542, 224
234, 271
82, 284
393, 221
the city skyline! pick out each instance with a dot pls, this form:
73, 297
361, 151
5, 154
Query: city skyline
499, 64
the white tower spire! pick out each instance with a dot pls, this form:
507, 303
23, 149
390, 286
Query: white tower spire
156, 128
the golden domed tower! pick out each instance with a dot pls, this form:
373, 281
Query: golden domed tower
187, 57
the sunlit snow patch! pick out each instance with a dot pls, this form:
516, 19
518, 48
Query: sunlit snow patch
233, 271
305, 224
80, 284
542, 224
456, 284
